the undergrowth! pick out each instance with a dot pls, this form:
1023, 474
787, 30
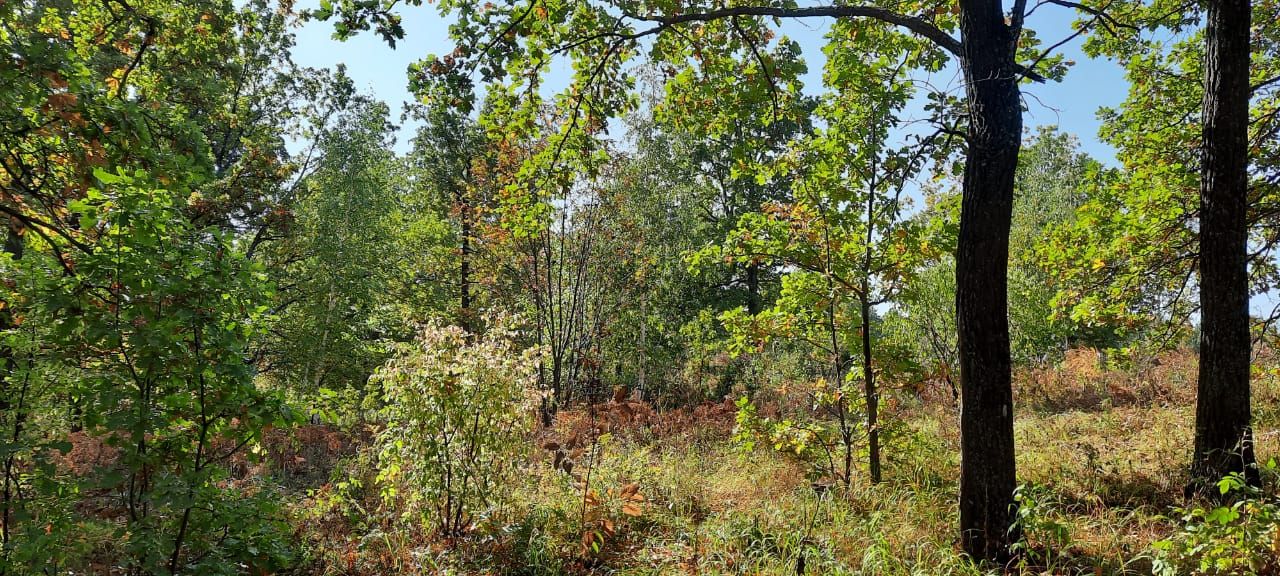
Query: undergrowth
654, 493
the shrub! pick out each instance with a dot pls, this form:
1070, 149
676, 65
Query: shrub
457, 409
1238, 537
1042, 538
143, 342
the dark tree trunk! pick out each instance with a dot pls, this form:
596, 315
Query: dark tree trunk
870, 394
869, 390
753, 289
1224, 439
987, 470
464, 271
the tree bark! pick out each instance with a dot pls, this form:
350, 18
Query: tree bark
872, 396
987, 470
1224, 438
464, 268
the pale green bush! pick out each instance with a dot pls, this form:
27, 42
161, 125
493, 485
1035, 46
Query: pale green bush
457, 410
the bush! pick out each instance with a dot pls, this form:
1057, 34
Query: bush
141, 345
457, 409
1240, 537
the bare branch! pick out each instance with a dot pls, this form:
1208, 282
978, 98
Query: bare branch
913, 23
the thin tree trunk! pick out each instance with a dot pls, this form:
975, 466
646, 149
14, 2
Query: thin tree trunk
753, 288
837, 357
644, 345
987, 470
869, 390
870, 395
11, 403
1224, 439
464, 271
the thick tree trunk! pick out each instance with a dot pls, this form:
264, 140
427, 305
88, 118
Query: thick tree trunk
1224, 439
987, 470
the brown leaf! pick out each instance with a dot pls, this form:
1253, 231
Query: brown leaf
56, 80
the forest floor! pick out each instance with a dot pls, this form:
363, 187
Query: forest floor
1101, 455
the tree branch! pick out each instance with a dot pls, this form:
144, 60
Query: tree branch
913, 23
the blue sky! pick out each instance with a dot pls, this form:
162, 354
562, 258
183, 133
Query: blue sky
380, 70
1072, 104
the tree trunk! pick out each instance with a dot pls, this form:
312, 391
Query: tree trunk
869, 389
753, 289
987, 469
11, 403
464, 271
1224, 439
870, 394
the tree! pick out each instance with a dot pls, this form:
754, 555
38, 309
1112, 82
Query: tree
447, 151
843, 234
1053, 176
514, 44
1224, 436
657, 207
338, 261
729, 136
1052, 181
1227, 126
129, 307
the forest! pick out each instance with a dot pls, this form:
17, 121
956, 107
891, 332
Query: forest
639, 287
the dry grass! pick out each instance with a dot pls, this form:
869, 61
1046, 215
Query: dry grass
1103, 447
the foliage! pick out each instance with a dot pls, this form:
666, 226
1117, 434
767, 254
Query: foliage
1051, 183
1130, 257
142, 139
1241, 536
149, 333
456, 407
340, 258
810, 440
1042, 537
203, 242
